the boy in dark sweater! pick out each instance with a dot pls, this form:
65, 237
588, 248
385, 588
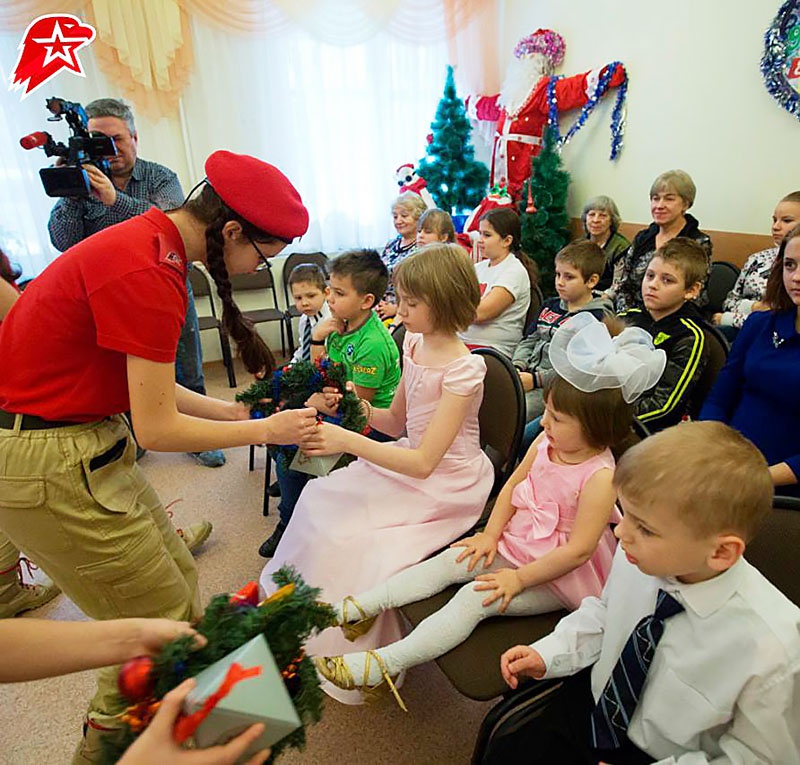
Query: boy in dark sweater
674, 278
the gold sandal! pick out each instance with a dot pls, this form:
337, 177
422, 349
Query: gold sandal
334, 670
354, 630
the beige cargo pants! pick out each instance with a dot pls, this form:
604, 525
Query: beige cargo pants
75, 501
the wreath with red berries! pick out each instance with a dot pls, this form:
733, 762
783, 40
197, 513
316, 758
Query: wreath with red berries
286, 619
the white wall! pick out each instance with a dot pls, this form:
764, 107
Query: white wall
696, 101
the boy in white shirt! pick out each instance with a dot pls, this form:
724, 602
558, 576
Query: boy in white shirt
722, 684
310, 291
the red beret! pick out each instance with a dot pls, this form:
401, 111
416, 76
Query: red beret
259, 192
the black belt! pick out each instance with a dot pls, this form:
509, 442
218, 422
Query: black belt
31, 422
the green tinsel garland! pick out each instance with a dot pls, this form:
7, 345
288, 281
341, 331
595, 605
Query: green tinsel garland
289, 388
228, 623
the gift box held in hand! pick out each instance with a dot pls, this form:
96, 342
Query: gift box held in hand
252, 690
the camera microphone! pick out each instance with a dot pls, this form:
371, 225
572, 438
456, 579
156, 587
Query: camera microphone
39, 138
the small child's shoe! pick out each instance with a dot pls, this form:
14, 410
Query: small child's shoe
353, 630
374, 682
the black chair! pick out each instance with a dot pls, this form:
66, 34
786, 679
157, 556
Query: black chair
717, 348
203, 287
261, 280
292, 261
399, 336
502, 414
773, 552
721, 278
537, 299
502, 419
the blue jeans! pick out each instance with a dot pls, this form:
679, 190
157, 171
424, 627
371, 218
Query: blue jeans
189, 356
292, 483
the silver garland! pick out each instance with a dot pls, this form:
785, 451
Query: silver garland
778, 49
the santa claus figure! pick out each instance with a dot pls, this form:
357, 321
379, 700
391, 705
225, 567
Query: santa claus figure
521, 109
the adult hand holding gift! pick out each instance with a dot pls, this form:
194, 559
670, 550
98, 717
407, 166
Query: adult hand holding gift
252, 686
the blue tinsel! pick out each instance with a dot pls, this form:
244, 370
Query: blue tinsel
617, 115
777, 55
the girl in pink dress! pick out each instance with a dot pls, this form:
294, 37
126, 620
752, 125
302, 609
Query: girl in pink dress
548, 543
400, 501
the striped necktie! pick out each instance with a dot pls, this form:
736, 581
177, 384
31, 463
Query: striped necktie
617, 703
307, 340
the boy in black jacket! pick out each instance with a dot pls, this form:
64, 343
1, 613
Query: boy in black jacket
674, 277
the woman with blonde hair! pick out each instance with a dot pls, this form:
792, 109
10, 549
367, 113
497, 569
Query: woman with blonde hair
406, 212
671, 196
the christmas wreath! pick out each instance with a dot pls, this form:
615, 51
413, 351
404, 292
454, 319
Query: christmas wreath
290, 387
286, 619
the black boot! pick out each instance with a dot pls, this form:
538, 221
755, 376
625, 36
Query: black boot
267, 549
274, 489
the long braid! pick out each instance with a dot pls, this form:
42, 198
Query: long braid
255, 353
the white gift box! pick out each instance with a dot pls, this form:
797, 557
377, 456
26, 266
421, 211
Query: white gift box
262, 698
317, 466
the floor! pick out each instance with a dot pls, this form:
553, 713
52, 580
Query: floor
40, 721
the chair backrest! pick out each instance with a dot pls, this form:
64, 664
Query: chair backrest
720, 282
637, 433
297, 259
774, 550
537, 298
257, 280
717, 348
203, 287
502, 414
399, 336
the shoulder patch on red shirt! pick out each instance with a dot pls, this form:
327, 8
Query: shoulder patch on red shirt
172, 258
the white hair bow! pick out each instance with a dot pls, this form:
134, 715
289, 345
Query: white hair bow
583, 352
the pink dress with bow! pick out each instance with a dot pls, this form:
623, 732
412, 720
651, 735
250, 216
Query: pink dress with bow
546, 504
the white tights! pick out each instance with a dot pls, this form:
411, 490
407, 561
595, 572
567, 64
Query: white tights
452, 624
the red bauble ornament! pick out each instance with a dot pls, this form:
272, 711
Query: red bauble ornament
135, 680
248, 595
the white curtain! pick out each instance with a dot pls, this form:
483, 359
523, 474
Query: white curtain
336, 120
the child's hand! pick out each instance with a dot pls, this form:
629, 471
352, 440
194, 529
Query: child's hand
151, 635
327, 327
328, 439
526, 378
521, 661
505, 583
480, 545
157, 745
326, 402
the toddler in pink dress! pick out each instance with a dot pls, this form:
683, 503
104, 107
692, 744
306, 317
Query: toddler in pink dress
548, 543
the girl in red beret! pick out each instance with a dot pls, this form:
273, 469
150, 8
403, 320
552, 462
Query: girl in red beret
94, 336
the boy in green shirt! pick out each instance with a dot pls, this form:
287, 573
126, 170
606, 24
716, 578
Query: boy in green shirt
354, 336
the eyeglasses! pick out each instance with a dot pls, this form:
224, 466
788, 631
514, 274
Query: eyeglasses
261, 256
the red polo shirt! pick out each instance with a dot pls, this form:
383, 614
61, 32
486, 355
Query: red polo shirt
120, 292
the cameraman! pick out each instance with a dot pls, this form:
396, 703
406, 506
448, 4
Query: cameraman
135, 186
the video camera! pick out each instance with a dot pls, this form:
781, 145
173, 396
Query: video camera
70, 179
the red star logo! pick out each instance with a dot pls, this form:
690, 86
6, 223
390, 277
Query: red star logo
50, 44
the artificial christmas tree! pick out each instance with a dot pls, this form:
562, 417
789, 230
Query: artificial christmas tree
455, 179
543, 209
